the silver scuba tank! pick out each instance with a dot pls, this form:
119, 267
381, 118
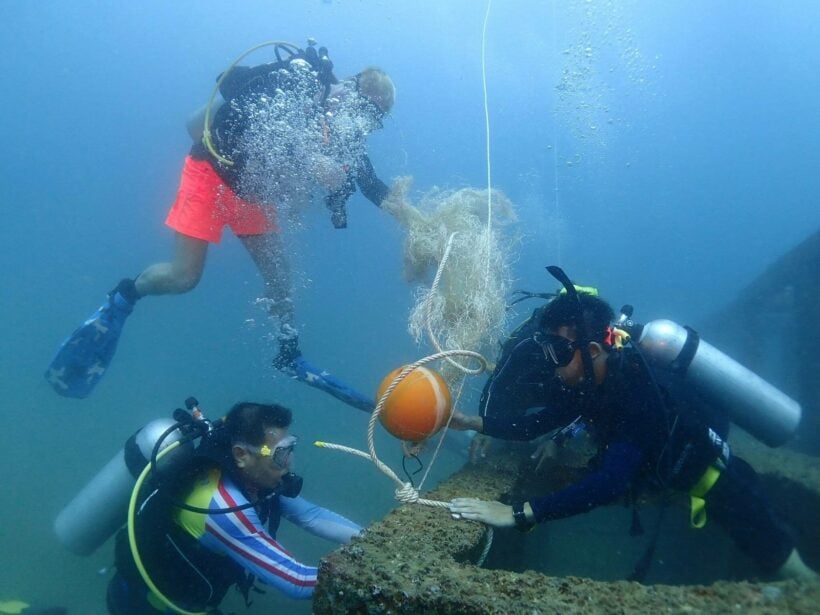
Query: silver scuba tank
753, 404
100, 508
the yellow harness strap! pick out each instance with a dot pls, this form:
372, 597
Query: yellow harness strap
697, 512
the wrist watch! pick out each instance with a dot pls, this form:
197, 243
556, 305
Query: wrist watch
522, 524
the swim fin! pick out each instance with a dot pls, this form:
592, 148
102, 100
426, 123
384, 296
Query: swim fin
325, 381
16, 607
13, 607
83, 358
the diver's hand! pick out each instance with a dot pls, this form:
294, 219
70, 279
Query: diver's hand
547, 449
491, 513
464, 422
479, 447
397, 204
395, 197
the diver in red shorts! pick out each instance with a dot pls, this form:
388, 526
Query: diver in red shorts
279, 125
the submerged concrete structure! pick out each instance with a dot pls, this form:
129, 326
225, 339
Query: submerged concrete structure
419, 560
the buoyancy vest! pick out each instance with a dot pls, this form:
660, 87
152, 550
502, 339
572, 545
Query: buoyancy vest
672, 424
190, 575
246, 90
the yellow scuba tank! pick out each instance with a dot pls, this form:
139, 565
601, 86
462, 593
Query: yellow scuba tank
753, 404
100, 508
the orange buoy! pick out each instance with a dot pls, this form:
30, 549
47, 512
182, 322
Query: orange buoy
418, 407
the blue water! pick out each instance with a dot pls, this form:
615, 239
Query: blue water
664, 152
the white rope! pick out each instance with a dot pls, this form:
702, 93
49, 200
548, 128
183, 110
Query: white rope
429, 303
434, 289
443, 262
488, 542
556, 187
487, 131
443, 434
405, 492
448, 247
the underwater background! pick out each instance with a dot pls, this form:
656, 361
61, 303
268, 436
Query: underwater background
665, 152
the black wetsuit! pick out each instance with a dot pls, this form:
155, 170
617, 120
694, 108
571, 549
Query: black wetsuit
651, 433
364, 176
522, 375
242, 90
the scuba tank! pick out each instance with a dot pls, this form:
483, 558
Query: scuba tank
753, 404
100, 508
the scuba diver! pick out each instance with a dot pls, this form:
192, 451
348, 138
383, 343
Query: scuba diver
211, 523
654, 427
275, 133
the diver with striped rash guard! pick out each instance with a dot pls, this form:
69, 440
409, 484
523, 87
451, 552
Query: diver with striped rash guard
245, 483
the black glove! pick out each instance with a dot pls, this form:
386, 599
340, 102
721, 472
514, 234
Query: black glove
288, 353
337, 203
339, 218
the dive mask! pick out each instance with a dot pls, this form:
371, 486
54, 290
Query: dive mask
557, 349
280, 455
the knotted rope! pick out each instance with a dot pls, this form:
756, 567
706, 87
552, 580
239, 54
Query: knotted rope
405, 492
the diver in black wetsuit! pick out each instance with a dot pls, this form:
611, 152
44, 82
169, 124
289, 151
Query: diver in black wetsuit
652, 433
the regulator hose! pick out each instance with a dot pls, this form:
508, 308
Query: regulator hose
206, 131
132, 536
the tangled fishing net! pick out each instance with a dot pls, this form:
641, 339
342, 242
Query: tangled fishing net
468, 311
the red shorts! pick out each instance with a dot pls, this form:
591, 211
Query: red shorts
205, 204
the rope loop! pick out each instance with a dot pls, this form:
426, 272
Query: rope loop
407, 494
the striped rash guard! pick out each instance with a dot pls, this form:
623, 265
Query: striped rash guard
241, 535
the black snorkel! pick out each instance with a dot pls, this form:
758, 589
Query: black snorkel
524, 295
581, 328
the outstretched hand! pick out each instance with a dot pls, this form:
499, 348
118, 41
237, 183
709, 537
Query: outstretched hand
464, 422
491, 513
397, 195
547, 449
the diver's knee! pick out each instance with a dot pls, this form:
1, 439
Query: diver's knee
187, 283
184, 281
795, 568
